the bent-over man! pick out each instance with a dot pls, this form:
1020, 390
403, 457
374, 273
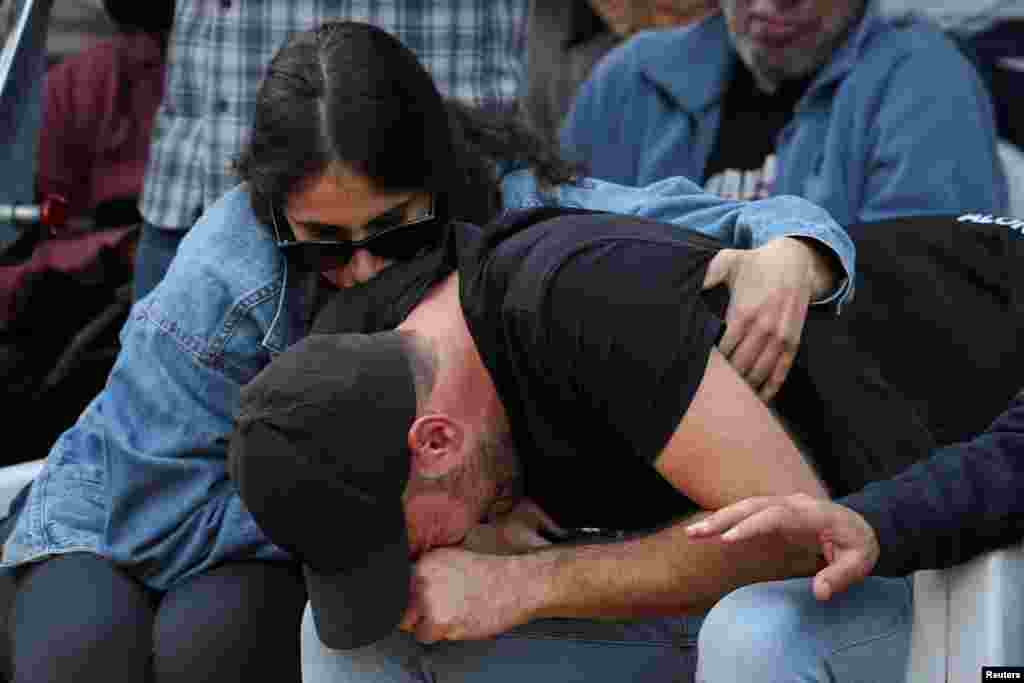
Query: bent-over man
572, 359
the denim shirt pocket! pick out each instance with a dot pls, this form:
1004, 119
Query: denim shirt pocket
66, 508
74, 494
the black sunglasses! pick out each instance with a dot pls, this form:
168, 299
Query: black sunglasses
398, 243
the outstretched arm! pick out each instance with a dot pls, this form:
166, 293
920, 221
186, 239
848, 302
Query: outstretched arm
737, 224
785, 254
726, 447
962, 501
788, 255
847, 541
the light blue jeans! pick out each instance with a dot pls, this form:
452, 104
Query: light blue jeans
563, 650
768, 632
777, 632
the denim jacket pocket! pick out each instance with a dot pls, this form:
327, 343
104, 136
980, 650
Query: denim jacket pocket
73, 500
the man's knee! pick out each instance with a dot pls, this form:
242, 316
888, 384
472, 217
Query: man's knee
750, 629
396, 659
778, 631
309, 640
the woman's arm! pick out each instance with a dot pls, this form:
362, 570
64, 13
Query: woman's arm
772, 281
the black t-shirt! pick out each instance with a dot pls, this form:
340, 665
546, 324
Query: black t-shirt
933, 292
742, 161
595, 332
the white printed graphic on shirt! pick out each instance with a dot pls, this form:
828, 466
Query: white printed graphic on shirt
988, 219
744, 185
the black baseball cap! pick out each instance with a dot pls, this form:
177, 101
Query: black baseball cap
320, 458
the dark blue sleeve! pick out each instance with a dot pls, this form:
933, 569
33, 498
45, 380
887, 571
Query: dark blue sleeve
965, 500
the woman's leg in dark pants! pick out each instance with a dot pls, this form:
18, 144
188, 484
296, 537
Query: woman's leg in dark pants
238, 622
78, 618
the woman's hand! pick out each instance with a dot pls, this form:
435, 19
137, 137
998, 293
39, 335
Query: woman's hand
847, 541
770, 290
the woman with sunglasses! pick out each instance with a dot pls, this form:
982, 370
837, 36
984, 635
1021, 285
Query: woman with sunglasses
133, 556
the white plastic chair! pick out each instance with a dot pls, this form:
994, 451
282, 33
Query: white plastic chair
972, 615
967, 617
1013, 164
13, 478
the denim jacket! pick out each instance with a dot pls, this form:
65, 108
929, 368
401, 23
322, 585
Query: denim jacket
897, 122
140, 478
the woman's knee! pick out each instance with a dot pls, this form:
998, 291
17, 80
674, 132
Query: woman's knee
77, 617
236, 622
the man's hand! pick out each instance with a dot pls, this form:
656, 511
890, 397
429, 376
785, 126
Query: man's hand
514, 532
846, 539
460, 595
770, 289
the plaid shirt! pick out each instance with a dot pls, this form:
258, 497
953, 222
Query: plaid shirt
218, 52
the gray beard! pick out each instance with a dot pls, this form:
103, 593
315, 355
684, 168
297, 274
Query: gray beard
769, 78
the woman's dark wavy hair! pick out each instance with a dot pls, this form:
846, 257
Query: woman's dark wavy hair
351, 93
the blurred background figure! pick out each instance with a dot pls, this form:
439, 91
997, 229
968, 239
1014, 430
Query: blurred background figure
830, 101
961, 17
74, 25
98, 106
991, 33
566, 39
98, 111
626, 17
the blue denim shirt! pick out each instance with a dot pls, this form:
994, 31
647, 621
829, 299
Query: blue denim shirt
140, 478
896, 123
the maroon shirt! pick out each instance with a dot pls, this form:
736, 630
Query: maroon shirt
97, 117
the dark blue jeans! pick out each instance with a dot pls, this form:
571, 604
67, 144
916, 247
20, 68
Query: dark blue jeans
153, 255
563, 650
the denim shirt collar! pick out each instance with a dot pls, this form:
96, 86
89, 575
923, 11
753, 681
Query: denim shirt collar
666, 58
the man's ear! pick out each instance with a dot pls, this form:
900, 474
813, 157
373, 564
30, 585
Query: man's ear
436, 442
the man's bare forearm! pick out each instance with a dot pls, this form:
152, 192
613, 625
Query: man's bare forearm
711, 462
658, 574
